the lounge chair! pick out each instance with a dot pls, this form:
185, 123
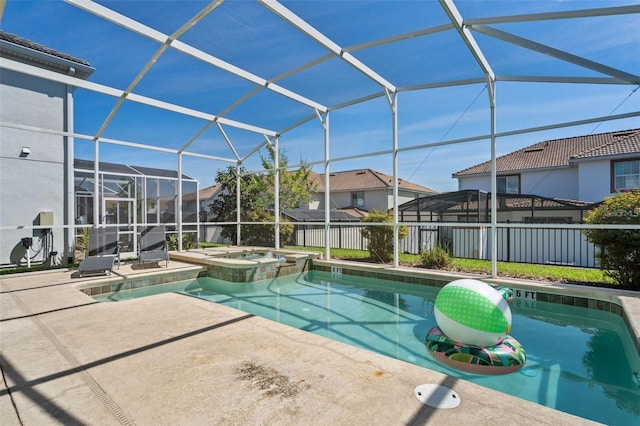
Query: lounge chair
104, 252
153, 245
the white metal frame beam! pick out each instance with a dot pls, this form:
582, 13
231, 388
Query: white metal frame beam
324, 122
560, 79
556, 53
110, 91
139, 28
455, 17
163, 47
392, 99
310, 64
297, 22
113, 141
546, 16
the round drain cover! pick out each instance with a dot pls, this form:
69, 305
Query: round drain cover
437, 396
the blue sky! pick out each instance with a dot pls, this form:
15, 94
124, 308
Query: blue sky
249, 36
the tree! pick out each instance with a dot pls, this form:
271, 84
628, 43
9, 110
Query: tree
257, 199
295, 186
380, 237
619, 254
262, 235
224, 205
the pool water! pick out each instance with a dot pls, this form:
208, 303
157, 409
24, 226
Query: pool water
580, 361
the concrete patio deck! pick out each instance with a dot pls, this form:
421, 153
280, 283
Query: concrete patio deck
172, 359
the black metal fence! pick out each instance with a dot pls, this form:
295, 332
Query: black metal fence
559, 246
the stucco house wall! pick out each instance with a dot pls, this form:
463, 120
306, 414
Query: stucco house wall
36, 183
482, 183
379, 199
595, 179
403, 197
33, 183
553, 183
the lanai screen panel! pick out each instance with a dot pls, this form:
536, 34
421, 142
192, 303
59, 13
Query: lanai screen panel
217, 79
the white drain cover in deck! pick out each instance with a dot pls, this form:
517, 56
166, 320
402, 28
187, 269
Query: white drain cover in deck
437, 396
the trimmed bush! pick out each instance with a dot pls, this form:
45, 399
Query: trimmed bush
435, 258
380, 237
187, 241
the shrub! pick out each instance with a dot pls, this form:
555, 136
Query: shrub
187, 241
82, 243
264, 235
435, 258
380, 237
619, 254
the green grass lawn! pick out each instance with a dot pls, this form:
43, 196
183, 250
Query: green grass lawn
569, 274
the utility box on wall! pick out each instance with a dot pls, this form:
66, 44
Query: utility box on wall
46, 218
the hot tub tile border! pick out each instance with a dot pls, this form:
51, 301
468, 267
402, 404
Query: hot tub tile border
134, 283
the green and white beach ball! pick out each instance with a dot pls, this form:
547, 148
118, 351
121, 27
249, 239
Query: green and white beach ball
472, 312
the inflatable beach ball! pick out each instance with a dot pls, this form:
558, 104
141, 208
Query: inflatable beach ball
472, 312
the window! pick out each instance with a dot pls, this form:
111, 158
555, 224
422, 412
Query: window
626, 175
508, 184
357, 199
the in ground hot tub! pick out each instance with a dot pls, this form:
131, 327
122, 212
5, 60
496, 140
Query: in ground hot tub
247, 264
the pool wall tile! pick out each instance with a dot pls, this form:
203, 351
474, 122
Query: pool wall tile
584, 302
555, 298
129, 284
256, 272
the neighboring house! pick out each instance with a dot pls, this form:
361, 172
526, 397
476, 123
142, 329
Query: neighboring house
364, 189
586, 168
336, 215
353, 194
36, 169
207, 195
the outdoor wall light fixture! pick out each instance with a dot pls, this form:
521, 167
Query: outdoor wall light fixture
25, 151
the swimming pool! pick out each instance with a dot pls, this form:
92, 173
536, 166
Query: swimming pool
581, 361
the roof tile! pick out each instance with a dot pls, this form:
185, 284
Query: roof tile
19, 41
364, 179
559, 152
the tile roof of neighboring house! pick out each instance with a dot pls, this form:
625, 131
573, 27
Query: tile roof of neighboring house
209, 191
560, 152
361, 179
336, 215
17, 40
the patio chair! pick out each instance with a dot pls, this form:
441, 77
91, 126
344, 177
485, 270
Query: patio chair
104, 252
153, 245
